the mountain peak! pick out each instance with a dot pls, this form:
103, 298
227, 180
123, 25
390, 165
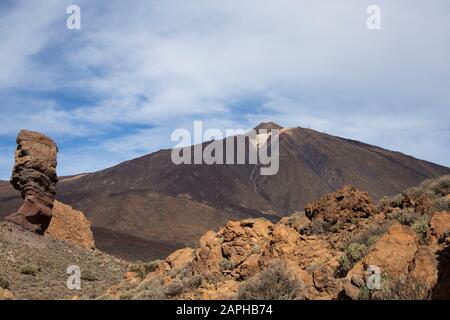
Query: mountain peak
268, 125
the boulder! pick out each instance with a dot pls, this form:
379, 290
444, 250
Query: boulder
34, 175
440, 225
393, 253
70, 225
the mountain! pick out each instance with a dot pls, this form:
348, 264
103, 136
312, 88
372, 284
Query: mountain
146, 207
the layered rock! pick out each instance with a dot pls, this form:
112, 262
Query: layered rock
34, 175
70, 225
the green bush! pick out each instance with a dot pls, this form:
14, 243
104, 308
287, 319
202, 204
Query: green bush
276, 282
421, 228
358, 246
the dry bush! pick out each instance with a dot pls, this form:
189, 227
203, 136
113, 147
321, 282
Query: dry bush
143, 269
357, 247
276, 282
400, 288
317, 227
30, 269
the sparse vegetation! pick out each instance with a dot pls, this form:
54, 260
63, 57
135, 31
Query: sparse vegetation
357, 247
276, 282
143, 269
175, 288
442, 204
421, 227
226, 265
88, 275
4, 282
30, 269
317, 227
256, 249
401, 288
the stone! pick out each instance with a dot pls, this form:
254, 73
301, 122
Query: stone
342, 206
70, 225
393, 253
34, 175
440, 224
180, 258
5, 294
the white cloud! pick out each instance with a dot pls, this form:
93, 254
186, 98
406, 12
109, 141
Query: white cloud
163, 64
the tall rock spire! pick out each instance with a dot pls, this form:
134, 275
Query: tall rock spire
34, 175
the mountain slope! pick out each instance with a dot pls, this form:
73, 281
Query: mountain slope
154, 200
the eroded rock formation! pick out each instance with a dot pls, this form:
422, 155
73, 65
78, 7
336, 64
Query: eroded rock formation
333, 249
34, 175
70, 225
340, 206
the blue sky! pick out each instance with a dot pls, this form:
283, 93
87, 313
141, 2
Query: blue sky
138, 70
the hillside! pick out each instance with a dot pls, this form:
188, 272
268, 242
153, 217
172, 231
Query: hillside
34, 267
343, 246
158, 206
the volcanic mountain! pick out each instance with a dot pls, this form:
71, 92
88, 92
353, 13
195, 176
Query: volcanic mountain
147, 207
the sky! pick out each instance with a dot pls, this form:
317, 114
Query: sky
137, 70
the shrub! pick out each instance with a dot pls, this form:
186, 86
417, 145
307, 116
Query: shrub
175, 288
256, 249
317, 227
276, 282
421, 228
441, 186
406, 216
4, 283
441, 204
30, 269
364, 293
358, 246
143, 269
149, 289
352, 254
225, 265
88, 276
193, 282
400, 288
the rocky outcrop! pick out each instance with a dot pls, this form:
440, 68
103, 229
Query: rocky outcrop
34, 175
341, 206
410, 251
440, 225
70, 225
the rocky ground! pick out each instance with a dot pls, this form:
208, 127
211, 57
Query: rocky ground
325, 252
34, 267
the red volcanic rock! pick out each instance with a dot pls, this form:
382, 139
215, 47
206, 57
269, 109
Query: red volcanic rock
346, 203
34, 175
